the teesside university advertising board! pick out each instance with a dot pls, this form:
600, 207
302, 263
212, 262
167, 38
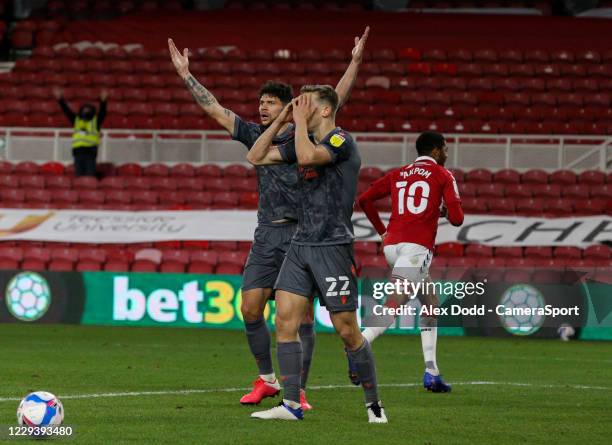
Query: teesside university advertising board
213, 301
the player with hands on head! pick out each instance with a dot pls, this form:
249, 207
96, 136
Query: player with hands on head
320, 258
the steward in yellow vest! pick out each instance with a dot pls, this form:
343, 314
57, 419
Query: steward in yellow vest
86, 136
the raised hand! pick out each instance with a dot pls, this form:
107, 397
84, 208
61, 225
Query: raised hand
103, 95
58, 93
180, 61
287, 114
360, 42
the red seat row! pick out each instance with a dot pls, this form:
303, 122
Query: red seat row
56, 175
154, 170
94, 259
461, 55
125, 200
130, 183
231, 262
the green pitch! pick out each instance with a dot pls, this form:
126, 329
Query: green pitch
547, 391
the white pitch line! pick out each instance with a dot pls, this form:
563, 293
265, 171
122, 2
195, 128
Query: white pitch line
319, 387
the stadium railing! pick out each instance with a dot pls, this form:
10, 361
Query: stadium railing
497, 151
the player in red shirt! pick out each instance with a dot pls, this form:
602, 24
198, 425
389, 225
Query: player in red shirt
420, 192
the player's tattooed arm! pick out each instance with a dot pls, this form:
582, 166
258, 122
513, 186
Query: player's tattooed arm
263, 152
345, 85
203, 97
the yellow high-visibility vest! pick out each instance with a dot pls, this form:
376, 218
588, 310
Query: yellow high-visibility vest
86, 133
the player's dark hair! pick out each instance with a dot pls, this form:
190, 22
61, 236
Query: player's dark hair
326, 93
428, 142
282, 91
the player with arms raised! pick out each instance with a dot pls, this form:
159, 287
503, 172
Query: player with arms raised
417, 192
277, 213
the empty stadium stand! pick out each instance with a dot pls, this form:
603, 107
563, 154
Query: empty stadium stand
228, 257
184, 186
458, 91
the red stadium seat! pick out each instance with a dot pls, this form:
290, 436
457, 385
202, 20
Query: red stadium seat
502, 206
491, 190
244, 185
143, 266
507, 176
204, 259
546, 190
35, 258
478, 250
146, 198
12, 197
65, 197
449, 249
172, 198
174, 261
91, 198
85, 183
222, 246
182, 170
558, 207
534, 177
597, 252
200, 199
9, 181
118, 197
475, 206
10, 257
468, 189
156, 169
225, 200
563, 177
479, 176
236, 171
26, 168
509, 252
91, 260
592, 177
34, 181
129, 169
601, 191
63, 259
568, 252
577, 191
535, 252
164, 183
52, 168
112, 183
530, 206
589, 206
209, 171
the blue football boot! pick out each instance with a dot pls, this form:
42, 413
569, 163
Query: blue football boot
434, 383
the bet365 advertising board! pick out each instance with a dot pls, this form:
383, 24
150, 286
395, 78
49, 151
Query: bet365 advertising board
213, 301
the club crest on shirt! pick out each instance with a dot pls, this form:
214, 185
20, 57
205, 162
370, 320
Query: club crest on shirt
337, 140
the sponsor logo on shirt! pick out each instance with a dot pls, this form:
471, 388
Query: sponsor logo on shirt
308, 173
337, 140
